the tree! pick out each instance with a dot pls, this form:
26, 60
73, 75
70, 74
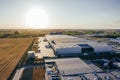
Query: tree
16, 32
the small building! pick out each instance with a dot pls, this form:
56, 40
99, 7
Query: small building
31, 54
116, 64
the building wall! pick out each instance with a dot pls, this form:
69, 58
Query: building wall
68, 51
99, 49
69, 48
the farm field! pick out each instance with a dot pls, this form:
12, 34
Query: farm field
11, 51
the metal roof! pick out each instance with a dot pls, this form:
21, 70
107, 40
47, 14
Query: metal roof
72, 78
70, 66
90, 76
65, 41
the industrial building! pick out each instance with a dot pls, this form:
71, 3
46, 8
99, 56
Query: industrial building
75, 69
115, 40
63, 69
64, 45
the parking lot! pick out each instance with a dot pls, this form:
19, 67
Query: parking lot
44, 49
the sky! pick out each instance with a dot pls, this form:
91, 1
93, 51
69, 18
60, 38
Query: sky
61, 14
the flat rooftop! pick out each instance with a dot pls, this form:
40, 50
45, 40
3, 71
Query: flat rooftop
72, 78
77, 69
69, 66
90, 76
116, 73
65, 41
103, 75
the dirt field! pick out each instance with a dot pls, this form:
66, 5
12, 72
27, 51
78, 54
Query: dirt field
34, 73
11, 51
38, 73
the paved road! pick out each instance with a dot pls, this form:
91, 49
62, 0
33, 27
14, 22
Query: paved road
19, 72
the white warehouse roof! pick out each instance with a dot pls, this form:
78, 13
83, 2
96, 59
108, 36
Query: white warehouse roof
66, 44
65, 68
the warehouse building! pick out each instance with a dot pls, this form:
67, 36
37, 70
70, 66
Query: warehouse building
61, 68
64, 45
115, 40
75, 69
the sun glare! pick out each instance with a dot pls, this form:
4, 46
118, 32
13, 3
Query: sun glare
36, 18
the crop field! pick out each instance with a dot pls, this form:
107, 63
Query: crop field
11, 51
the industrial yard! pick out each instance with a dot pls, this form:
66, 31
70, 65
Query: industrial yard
59, 39
43, 50
52, 56
61, 69
59, 52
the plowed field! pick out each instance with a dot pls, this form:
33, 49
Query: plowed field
11, 51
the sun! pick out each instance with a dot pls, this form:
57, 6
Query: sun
36, 18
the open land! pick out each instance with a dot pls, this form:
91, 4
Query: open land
11, 51
33, 73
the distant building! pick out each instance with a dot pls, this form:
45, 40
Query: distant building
116, 64
96, 35
115, 40
55, 33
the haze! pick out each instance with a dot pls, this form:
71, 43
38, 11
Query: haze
60, 14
